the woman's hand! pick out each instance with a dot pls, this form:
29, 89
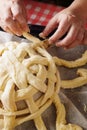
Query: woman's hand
69, 29
13, 16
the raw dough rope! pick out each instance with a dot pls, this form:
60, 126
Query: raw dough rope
29, 84
77, 82
72, 64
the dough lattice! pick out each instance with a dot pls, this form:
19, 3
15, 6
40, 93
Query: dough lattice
28, 70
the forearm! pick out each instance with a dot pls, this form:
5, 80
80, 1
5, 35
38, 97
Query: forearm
79, 7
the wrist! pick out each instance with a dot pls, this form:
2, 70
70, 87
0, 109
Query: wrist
79, 8
79, 13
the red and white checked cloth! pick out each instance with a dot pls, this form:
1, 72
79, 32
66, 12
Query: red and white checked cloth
39, 13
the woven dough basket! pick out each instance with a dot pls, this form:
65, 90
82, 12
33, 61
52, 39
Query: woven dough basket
25, 72
29, 84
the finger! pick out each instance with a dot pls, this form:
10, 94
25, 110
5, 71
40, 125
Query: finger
61, 31
70, 37
79, 39
81, 34
22, 22
5, 28
24, 11
73, 44
52, 24
26, 28
13, 27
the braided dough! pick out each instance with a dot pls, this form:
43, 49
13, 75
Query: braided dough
25, 71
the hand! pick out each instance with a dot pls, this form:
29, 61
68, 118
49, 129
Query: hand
13, 16
66, 23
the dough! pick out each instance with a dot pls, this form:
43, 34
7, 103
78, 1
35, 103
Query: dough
25, 71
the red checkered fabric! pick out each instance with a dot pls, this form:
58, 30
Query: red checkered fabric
39, 13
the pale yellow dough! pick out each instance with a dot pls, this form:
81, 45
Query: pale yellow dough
27, 70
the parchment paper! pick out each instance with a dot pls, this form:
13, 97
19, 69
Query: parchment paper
75, 100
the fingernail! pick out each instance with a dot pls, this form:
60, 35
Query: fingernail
65, 48
19, 33
42, 36
50, 42
27, 29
